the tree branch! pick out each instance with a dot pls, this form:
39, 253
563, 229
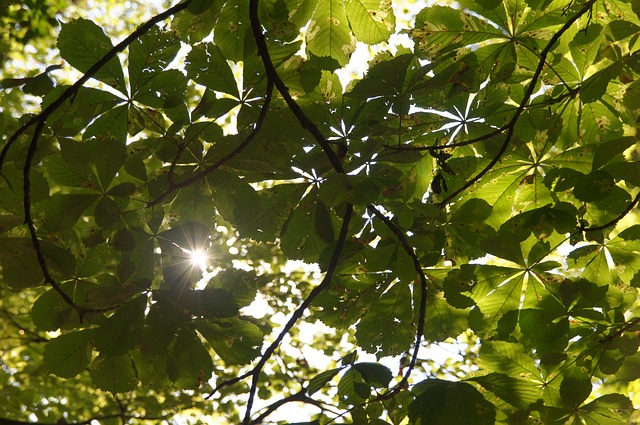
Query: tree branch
39, 121
523, 104
72, 90
423, 295
297, 314
272, 75
200, 175
613, 222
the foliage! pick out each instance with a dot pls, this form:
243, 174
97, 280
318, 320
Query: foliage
479, 186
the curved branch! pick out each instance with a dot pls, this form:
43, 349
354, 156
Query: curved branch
297, 314
523, 104
272, 75
200, 175
72, 90
613, 222
300, 396
423, 296
39, 121
228, 383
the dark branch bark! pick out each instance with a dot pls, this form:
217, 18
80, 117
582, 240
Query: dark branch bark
423, 296
326, 281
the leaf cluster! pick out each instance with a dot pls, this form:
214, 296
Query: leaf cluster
480, 184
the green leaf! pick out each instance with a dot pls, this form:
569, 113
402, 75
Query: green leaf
75, 114
236, 341
241, 284
82, 43
596, 86
328, 34
20, 267
442, 29
374, 374
206, 65
121, 332
299, 238
149, 54
320, 380
161, 89
608, 409
114, 374
112, 123
193, 27
69, 354
509, 359
208, 302
230, 29
450, 402
50, 311
352, 389
443, 321
575, 390
372, 21
387, 329
107, 212
189, 365
519, 393
63, 211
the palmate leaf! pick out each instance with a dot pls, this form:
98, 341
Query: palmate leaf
387, 329
82, 43
450, 402
561, 158
372, 21
329, 34
512, 187
149, 54
69, 354
441, 29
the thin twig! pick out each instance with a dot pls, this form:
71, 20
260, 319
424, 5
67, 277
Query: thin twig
229, 382
613, 222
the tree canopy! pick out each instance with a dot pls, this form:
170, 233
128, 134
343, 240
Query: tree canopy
473, 186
